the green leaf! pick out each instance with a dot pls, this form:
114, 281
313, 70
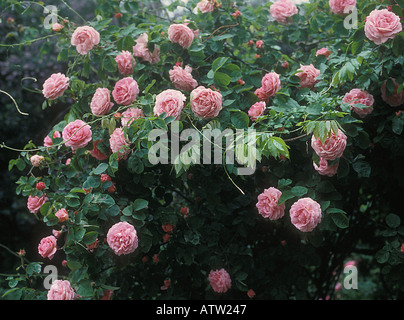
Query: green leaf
222, 79
240, 119
218, 63
363, 168
339, 217
140, 204
92, 182
299, 191
102, 167
393, 220
90, 237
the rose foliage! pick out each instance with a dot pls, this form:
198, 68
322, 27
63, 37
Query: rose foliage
324, 97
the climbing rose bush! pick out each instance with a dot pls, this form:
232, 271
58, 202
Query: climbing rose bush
140, 187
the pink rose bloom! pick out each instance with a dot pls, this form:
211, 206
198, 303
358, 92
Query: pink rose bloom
382, 25
271, 84
55, 86
141, 50
125, 91
205, 102
77, 134
47, 142
122, 238
260, 93
282, 10
341, 6
350, 263
57, 27
220, 280
256, 110
206, 6
182, 78
305, 214
395, 99
129, 115
36, 160
84, 39
96, 153
333, 146
61, 290
268, 204
62, 215
119, 144
35, 203
101, 102
285, 64
259, 44
181, 34
47, 247
358, 96
171, 102
308, 75
125, 62
324, 169
323, 52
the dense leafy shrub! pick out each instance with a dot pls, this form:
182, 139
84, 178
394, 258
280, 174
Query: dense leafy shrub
194, 218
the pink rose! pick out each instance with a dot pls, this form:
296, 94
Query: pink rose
47, 247
57, 27
220, 280
84, 39
308, 75
260, 93
36, 160
129, 115
62, 215
125, 91
171, 102
205, 102
61, 290
271, 84
332, 148
182, 78
268, 204
77, 134
122, 238
282, 10
96, 153
323, 52
395, 99
141, 50
125, 62
119, 144
358, 96
35, 203
305, 214
259, 44
256, 110
101, 102
47, 142
341, 6
382, 25
181, 34
206, 6
55, 86
324, 169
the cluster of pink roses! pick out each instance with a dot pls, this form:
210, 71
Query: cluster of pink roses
305, 214
331, 149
